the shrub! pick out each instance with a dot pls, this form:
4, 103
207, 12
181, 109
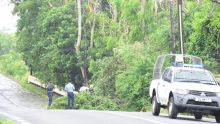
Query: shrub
86, 101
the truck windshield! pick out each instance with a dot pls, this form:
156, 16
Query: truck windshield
194, 77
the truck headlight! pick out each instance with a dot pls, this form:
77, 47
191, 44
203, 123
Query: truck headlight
182, 91
218, 94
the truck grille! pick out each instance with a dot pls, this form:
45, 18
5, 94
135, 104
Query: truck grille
202, 93
193, 102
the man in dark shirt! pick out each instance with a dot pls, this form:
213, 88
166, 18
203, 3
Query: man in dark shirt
50, 88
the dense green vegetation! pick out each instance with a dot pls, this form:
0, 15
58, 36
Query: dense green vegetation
110, 44
11, 60
204, 33
12, 64
5, 121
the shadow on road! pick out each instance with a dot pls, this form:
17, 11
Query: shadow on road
191, 119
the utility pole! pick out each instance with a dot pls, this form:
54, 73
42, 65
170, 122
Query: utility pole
180, 25
173, 43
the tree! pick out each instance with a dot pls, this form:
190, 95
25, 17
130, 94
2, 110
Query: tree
77, 47
204, 40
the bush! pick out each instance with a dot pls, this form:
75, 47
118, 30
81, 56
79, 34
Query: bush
86, 101
13, 65
5, 121
60, 103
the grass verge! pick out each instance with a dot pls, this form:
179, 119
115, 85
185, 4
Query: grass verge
14, 67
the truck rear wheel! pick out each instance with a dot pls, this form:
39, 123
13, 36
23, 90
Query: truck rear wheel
155, 106
217, 117
198, 116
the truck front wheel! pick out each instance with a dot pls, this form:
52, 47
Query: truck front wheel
172, 109
155, 106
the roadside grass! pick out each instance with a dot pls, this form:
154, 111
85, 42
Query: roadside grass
12, 66
33, 88
5, 121
23, 81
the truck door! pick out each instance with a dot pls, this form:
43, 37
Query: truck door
163, 86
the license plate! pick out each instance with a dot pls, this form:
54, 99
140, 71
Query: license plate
203, 100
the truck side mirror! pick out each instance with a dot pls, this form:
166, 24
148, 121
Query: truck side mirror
167, 79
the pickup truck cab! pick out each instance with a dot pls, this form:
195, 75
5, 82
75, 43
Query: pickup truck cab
184, 86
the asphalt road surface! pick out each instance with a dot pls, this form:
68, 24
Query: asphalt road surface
24, 107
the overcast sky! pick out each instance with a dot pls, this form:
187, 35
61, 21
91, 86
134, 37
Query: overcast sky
7, 20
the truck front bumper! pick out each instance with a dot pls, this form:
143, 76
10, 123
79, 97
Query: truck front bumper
189, 102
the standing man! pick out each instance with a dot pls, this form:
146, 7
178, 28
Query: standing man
50, 88
69, 88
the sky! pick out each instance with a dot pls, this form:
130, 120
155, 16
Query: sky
7, 20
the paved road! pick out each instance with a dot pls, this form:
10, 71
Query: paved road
26, 108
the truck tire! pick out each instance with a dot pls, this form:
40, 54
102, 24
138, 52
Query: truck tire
217, 117
155, 106
172, 109
198, 116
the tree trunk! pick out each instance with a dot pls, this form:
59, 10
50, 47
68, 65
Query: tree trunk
143, 3
217, 44
93, 9
113, 10
155, 7
92, 32
115, 13
172, 26
216, 1
65, 2
77, 47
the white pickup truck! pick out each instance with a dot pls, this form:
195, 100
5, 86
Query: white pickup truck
184, 86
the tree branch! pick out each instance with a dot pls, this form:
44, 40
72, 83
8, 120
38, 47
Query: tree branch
50, 4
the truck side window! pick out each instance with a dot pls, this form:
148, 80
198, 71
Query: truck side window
165, 74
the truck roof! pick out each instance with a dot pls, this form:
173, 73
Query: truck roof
175, 60
187, 68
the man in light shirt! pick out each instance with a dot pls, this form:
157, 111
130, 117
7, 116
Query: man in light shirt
84, 88
69, 88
